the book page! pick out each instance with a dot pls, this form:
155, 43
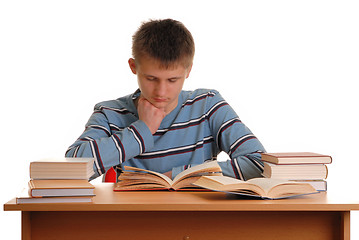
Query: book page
229, 184
264, 187
211, 166
267, 183
279, 188
164, 177
132, 178
187, 182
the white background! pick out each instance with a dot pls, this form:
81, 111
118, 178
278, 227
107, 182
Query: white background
289, 69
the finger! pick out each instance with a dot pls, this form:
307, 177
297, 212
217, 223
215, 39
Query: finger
143, 102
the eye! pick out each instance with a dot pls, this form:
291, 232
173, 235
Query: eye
173, 80
150, 78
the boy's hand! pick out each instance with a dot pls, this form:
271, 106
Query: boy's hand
149, 114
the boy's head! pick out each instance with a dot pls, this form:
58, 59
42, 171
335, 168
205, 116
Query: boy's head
167, 41
163, 53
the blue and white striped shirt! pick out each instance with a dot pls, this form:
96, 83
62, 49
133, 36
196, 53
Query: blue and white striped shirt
197, 130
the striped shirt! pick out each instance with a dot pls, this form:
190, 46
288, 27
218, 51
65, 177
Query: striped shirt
197, 130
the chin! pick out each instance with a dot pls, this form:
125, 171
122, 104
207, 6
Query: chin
160, 105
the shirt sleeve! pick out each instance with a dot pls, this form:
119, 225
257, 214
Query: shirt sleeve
233, 137
236, 139
108, 147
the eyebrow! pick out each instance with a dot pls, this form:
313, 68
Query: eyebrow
174, 78
151, 76
147, 75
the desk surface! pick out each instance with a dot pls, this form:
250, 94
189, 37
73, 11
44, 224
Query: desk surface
107, 200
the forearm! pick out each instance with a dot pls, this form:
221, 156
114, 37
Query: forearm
237, 140
243, 167
112, 150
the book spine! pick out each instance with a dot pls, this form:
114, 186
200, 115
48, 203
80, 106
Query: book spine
326, 168
31, 187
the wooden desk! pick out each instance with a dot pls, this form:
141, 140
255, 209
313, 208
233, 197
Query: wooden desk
187, 215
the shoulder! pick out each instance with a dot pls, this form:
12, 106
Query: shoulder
115, 104
118, 112
201, 95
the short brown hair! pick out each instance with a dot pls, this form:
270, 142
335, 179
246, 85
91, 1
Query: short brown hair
167, 41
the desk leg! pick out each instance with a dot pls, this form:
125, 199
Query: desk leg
26, 225
345, 225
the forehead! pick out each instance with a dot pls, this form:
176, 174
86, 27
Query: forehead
151, 66
185, 61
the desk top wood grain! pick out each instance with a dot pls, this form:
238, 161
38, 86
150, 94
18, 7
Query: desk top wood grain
107, 200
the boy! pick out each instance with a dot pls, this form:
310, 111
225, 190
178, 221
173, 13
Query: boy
160, 127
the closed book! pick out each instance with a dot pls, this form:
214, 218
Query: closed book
296, 158
25, 197
62, 168
295, 172
319, 185
60, 188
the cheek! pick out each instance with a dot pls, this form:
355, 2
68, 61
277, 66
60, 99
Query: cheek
142, 85
179, 86
146, 89
139, 82
176, 90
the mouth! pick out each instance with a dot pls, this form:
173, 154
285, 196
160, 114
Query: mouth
160, 99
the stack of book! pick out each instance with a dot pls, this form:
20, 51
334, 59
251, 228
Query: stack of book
298, 166
58, 181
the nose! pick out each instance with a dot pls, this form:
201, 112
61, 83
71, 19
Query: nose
161, 88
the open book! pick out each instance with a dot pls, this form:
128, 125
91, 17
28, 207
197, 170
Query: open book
140, 179
266, 188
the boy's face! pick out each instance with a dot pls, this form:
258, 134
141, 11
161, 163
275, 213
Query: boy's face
160, 86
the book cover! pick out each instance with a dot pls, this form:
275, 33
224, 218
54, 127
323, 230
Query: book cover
296, 158
58, 188
62, 168
24, 197
295, 172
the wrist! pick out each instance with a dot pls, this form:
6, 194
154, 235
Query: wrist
145, 137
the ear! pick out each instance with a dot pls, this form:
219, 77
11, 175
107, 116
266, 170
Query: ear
189, 70
132, 64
